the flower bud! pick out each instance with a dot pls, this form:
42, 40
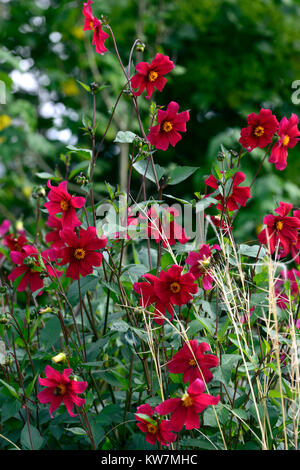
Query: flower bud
61, 357
46, 309
3, 289
140, 47
38, 191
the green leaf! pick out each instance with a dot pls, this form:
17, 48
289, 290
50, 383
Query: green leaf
254, 251
50, 334
36, 438
86, 87
11, 390
77, 431
141, 167
47, 176
125, 137
181, 173
121, 326
87, 283
205, 203
84, 153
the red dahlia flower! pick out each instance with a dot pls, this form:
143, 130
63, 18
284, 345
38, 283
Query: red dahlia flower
185, 410
170, 123
167, 230
148, 297
81, 252
150, 76
4, 227
60, 388
193, 363
15, 242
260, 131
91, 23
293, 276
239, 195
155, 430
289, 134
281, 230
28, 264
175, 287
60, 201
53, 237
200, 263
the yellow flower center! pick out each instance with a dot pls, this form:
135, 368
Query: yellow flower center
64, 205
79, 253
167, 126
286, 140
92, 26
60, 389
279, 225
175, 287
152, 75
192, 362
187, 400
259, 131
151, 428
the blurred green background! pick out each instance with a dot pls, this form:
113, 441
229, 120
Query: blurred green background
232, 58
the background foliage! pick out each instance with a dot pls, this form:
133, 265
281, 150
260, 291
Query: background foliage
232, 57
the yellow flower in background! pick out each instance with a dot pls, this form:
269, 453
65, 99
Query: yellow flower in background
70, 88
27, 190
19, 226
77, 31
5, 121
2, 139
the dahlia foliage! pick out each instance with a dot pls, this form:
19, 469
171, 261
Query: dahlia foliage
164, 320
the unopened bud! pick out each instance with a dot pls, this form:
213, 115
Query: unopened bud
140, 47
3, 290
45, 310
4, 320
29, 261
38, 191
220, 156
61, 357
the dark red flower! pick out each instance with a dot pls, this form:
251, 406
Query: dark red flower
155, 430
150, 76
60, 201
91, 23
289, 135
175, 287
260, 131
148, 297
60, 388
170, 123
15, 242
193, 363
4, 227
282, 297
53, 237
238, 195
167, 229
281, 230
81, 252
185, 410
200, 263
28, 265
